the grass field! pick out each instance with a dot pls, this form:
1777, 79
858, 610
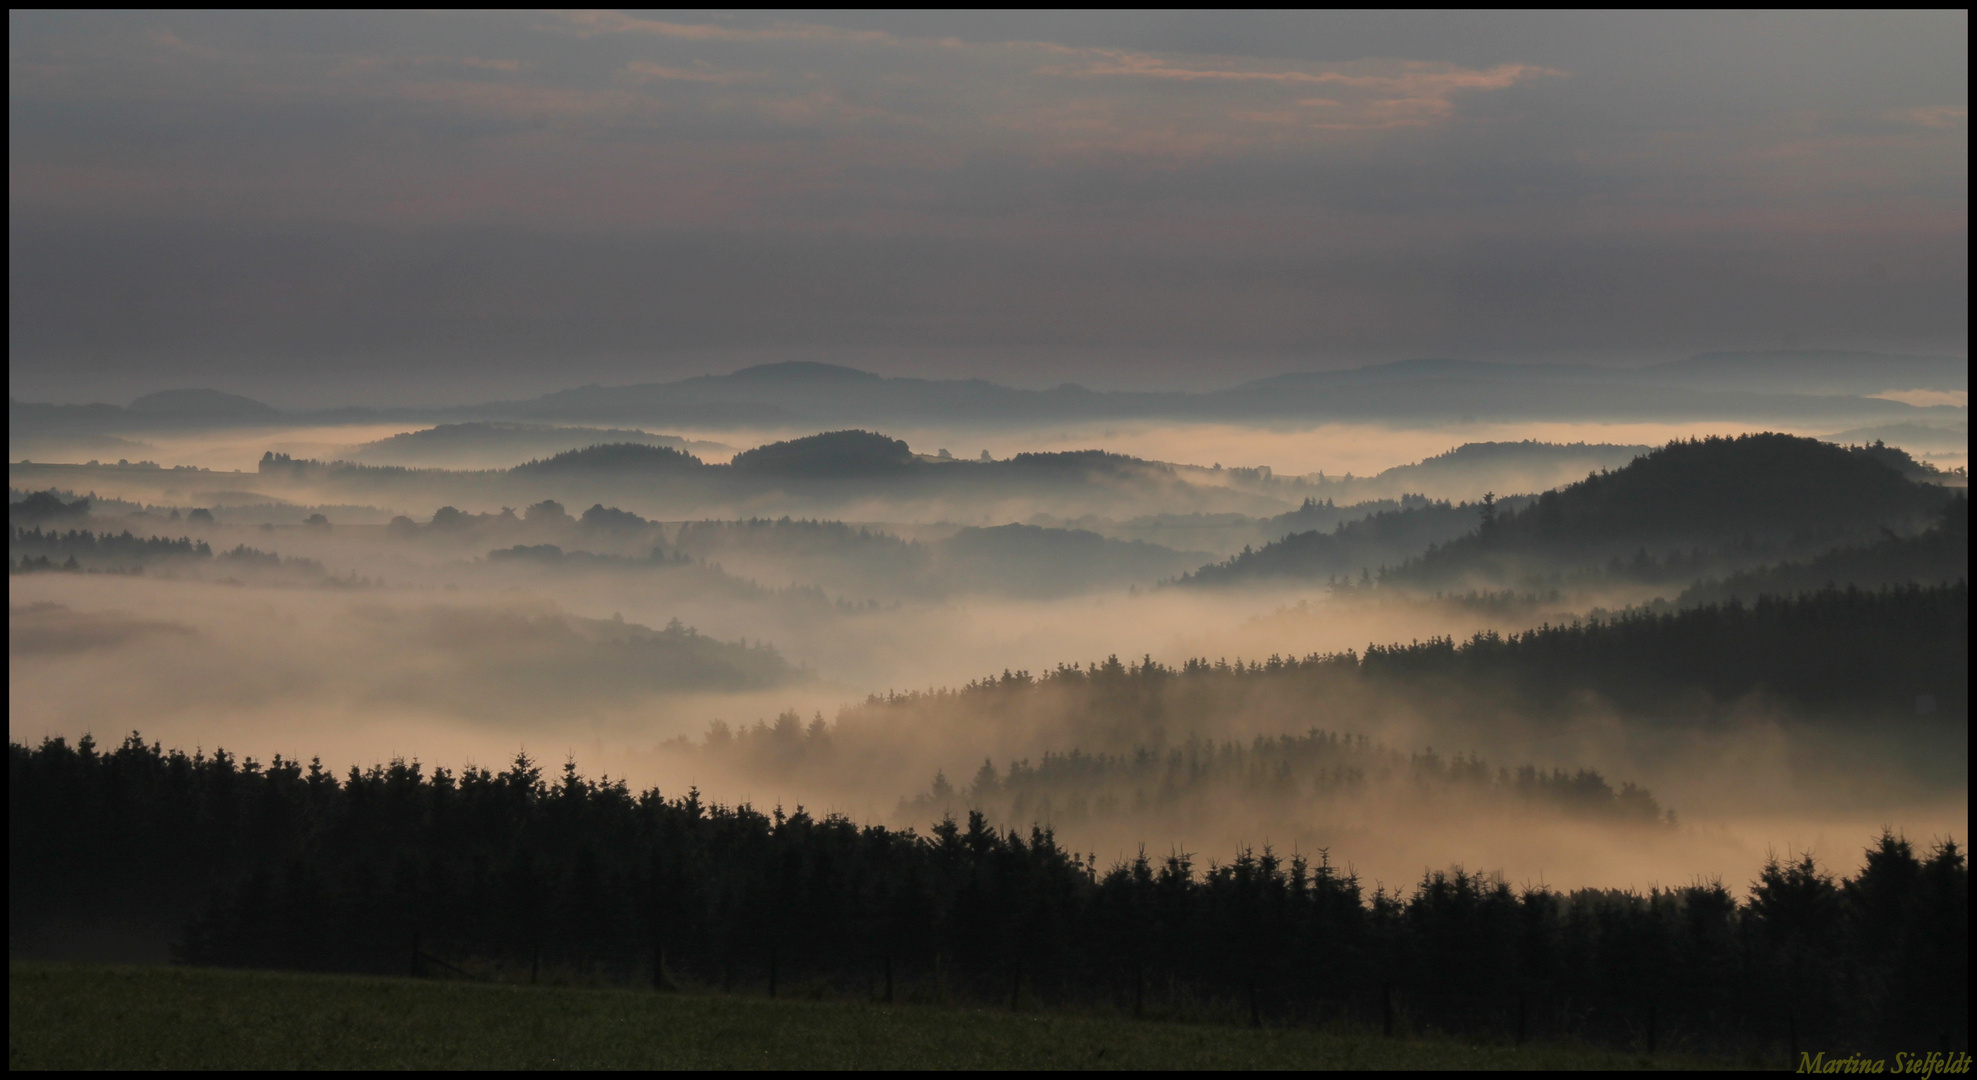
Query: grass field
67, 1016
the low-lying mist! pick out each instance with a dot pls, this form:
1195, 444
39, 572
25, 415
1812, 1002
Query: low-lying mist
458, 675
904, 658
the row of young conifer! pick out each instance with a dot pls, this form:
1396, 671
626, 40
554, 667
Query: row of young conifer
402, 869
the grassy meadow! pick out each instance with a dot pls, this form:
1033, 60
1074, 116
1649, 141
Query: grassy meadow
68, 1016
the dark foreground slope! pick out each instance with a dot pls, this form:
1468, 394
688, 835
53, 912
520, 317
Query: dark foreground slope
508, 878
63, 1017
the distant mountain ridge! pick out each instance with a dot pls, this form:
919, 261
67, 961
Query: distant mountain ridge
1753, 385
201, 403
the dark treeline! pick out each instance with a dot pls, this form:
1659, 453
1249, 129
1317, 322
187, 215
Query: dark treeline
1315, 514
1831, 649
46, 507
1939, 554
1850, 653
81, 549
623, 457
1312, 772
124, 546
399, 869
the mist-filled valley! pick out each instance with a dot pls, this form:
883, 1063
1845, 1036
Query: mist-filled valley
988, 538
1573, 669
463, 590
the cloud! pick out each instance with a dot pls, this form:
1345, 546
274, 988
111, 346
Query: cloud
1932, 116
1323, 183
612, 22
639, 71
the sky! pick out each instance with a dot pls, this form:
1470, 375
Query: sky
374, 208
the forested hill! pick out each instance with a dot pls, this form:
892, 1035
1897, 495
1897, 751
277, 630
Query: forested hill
484, 443
1846, 652
1771, 496
620, 457
1776, 493
828, 455
1937, 555
1381, 539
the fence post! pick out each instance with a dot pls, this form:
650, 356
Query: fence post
888, 978
1520, 1018
1650, 1030
1016, 987
658, 966
1255, 1009
772, 971
418, 969
1791, 1040
1387, 1009
1139, 988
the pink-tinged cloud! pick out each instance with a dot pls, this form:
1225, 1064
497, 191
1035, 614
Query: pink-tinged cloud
363, 64
1413, 78
1932, 116
640, 71
590, 23
1392, 94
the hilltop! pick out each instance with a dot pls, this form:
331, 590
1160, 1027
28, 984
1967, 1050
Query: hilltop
1777, 494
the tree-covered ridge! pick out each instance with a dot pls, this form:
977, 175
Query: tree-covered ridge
46, 507
830, 455
1830, 650
1307, 777
622, 457
1848, 653
1720, 503
1480, 452
786, 536
1266, 779
396, 868
124, 547
80, 549
1363, 546
454, 444
849, 454
1937, 555
1526, 465
1780, 488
